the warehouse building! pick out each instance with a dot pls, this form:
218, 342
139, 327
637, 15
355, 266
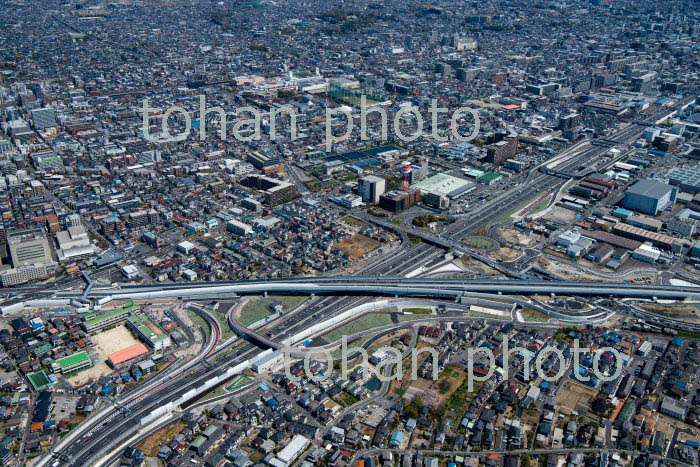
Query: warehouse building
695, 250
686, 178
489, 178
635, 233
614, 240
647, 253
445, 185
684, 229
649, 196
267, 362
644, 222
601, 253
644, 349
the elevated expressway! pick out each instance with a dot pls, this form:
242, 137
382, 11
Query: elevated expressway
454, 289
388, 285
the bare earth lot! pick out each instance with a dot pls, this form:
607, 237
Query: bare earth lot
357, 245
106, 342
575, 397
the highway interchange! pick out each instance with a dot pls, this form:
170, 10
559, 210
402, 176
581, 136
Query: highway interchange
102, 432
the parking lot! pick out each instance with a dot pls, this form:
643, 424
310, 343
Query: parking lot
62, 406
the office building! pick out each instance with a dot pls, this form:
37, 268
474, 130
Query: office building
130, 271
568, 122
332, 167
568, 238
444, 69
43, 118
398, 200
644, 82
186, 247
267, 362
46, 161
650, 134
371, 188
72, 220
348, 201
5, 147
436, 201
152, 240
515, 165
542, 89
418, 172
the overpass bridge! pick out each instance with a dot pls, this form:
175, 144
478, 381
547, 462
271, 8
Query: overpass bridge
427, 237
252, 335
386, 285
565, 174
443, 242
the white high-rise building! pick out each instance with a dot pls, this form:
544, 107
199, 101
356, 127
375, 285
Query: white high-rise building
371, 188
